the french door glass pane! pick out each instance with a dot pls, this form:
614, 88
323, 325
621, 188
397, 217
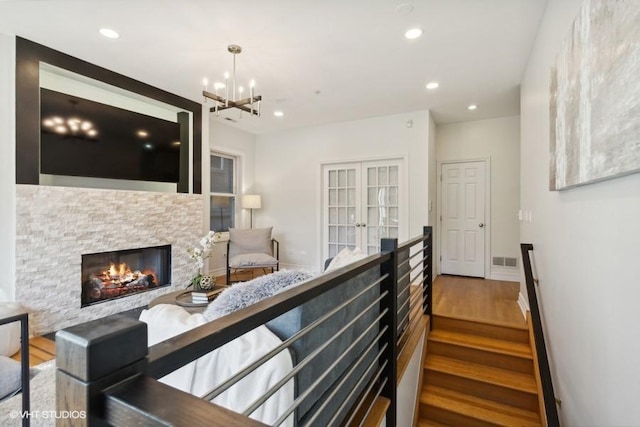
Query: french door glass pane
372, 196
371, 176
372, 217
382, 176
342, 216
342, 178
333, 215
333, 179
342, 197
222, 213
333, 250
393, 175
351, 177
333, 197
393, 196
393, 216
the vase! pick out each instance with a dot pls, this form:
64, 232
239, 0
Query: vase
202, 282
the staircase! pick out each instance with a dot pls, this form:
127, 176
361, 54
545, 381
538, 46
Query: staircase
478, 374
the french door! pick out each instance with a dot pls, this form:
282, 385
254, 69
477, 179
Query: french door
362, 203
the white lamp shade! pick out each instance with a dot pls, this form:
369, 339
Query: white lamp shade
251, 201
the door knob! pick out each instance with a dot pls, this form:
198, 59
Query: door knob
481, 225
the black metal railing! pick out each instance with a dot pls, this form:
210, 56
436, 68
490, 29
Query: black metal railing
414, 282
121, 387
551, 411
106, 369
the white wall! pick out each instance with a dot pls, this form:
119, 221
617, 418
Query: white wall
408, 387
229, 140
499, 140
586, 258
7, 168
433, 196
288, 167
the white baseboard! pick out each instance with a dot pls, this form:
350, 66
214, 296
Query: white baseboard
524, 304
504, 274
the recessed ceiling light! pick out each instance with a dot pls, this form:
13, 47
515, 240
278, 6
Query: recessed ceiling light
404, 8
433, 85
472, 107
142, 133
109, 33
278, 113
176, 143
148, 146
413, 33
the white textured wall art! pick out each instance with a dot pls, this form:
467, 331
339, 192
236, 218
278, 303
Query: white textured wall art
595, 96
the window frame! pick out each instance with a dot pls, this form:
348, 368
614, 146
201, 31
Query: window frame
224, 235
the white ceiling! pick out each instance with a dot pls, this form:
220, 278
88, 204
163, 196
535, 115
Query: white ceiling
353, 52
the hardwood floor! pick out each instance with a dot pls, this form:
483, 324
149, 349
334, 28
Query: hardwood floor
479, 367
477, 299
41, 350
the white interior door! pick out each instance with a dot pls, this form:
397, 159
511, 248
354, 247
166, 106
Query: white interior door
381, 195
341, 207
463, 219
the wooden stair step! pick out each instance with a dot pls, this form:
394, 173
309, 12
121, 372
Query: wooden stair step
482, 373
494, 345
483, 350
423, 422
498, 330
457, 408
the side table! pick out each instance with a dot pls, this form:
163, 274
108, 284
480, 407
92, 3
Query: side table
182, 298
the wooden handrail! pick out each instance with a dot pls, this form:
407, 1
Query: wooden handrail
551, 411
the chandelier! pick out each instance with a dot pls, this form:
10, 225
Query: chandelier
230, 99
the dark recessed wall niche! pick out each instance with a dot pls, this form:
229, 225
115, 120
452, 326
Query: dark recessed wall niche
28, 58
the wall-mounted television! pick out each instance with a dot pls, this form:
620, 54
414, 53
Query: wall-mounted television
84, 138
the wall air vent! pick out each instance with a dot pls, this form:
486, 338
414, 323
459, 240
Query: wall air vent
504, 261
510, 262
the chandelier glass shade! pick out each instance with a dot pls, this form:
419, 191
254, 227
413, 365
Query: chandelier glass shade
227, 95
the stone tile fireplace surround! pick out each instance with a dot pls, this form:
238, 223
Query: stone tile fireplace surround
56, 225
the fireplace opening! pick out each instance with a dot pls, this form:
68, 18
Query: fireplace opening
116, 274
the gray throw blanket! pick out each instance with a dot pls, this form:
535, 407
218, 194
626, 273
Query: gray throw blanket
244, 294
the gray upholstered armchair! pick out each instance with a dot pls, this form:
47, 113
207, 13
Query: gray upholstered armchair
250, 249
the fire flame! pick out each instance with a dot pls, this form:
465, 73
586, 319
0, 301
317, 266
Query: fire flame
121, 273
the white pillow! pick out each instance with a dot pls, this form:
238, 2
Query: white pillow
346, 257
